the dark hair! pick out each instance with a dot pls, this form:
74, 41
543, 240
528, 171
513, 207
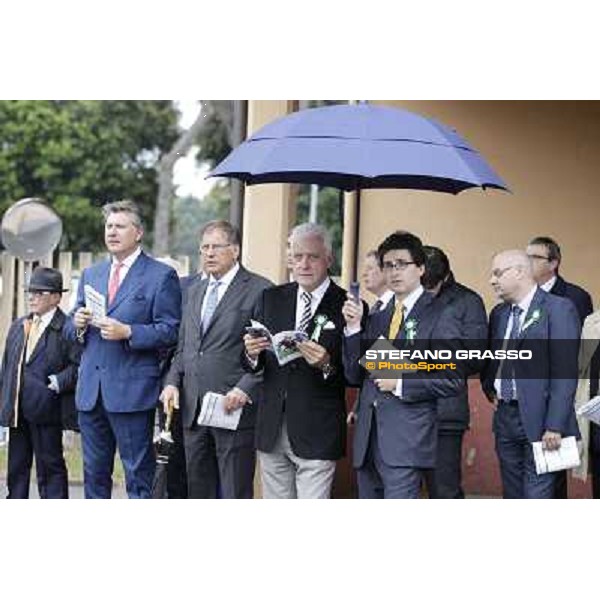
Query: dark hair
437, 267
233, 235
402, 240
551, 246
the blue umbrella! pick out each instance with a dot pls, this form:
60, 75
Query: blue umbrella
359, 146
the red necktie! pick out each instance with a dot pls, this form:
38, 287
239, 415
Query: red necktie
113, 284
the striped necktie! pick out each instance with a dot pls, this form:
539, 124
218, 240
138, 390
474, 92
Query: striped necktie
306, 313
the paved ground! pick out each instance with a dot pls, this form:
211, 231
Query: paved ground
75, 491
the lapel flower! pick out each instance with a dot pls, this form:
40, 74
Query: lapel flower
410, 327
536, 315
319, 322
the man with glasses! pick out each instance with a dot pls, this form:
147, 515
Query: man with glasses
395, 437
533, 399
209, 359
546, 257
37, 382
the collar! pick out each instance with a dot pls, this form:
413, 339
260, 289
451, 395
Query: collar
549, 284
226, 279
386, 298
318, 293
47, 317
127, 262
410, 300
526, 302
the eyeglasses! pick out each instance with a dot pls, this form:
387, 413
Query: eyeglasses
39, 293
497, 273
205, 248
539, 257
397, 265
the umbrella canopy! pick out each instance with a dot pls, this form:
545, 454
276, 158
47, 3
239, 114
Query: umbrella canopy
359, 146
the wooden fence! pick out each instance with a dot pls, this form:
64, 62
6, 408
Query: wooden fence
13, 300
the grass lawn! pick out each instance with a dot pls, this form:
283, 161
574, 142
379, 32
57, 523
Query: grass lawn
73, 458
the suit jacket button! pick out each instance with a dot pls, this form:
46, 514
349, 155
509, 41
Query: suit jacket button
374, 403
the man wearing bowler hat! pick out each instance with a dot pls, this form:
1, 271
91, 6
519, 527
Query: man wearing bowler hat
37, 383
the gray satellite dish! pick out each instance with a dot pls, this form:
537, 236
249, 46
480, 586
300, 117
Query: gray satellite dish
31, 229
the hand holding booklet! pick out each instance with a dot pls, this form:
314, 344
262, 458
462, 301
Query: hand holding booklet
548, 461
213, 414
283, 344
95, 302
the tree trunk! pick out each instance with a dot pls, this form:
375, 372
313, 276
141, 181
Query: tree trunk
166, 188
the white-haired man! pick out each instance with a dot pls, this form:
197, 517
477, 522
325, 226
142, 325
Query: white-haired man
301, 429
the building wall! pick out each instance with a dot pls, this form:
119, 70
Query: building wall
548, 154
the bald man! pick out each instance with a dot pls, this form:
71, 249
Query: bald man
533, 399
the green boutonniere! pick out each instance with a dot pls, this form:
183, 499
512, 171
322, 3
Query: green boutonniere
536, 315
320, 321
410, 327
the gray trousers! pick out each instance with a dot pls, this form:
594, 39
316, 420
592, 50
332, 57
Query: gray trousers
286, 475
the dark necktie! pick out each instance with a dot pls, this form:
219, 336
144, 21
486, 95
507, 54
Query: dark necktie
376, 307
507, 382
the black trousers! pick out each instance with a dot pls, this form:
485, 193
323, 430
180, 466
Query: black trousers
45, 443
445, 481
219, 457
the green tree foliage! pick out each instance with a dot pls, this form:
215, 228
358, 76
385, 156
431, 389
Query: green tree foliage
78, 155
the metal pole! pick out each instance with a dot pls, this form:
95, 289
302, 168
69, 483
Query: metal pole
314, 204
240, 123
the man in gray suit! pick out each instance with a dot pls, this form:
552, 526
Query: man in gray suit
208, 358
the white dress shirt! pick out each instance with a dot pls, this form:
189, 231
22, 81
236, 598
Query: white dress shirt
549, 284
524, 306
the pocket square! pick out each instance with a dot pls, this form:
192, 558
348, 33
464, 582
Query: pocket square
329, 325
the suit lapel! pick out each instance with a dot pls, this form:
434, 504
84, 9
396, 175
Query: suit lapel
415, 314
195, 300
56, 322
537, 303
133, 279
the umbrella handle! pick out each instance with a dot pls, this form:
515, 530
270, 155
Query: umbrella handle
169, 417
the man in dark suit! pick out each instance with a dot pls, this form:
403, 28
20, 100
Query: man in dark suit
209, 359
453, 413
119, 381
301, 427
534, 399
546, 257
395, 437
37, 381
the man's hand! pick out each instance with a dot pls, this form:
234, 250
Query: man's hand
314, 354
351, 419
82, 317
235, 399
353, 312
386, 385
254, 346
170, 398
551, 440
111, 329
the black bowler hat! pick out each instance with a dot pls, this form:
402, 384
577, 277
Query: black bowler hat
44, 279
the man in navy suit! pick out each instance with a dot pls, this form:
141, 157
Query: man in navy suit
119, 380
545, 257
534, 399
396, 430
